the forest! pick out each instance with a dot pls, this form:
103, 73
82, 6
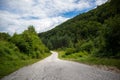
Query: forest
89, 36
96, 32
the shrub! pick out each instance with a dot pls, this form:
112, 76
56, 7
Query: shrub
87, 46
70, 51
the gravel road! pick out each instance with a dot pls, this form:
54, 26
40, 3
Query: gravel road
52, 68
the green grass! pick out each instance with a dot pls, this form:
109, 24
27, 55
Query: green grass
83, 57
7, 66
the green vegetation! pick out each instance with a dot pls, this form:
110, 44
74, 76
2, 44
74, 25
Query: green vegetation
84, 57
97, 32
19, 50
9, 66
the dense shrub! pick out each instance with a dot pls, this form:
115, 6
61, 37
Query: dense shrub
70, 51
22, 46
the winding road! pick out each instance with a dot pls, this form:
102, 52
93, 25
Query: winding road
52, 68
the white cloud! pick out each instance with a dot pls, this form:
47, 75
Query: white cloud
17, 15
13, 23
99, 2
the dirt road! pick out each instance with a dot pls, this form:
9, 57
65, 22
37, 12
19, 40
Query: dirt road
53, 68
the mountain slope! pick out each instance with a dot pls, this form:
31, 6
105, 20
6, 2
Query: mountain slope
96, 32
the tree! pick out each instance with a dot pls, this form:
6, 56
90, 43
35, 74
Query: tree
4, 36
112, 34
31, 29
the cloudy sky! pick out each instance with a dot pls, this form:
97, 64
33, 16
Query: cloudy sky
17, 15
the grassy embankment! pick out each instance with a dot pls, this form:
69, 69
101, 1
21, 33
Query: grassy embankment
9, 66
84, 57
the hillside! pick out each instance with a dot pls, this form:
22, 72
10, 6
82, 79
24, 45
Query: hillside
96, 32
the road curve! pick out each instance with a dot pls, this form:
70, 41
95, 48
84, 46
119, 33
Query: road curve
52, 68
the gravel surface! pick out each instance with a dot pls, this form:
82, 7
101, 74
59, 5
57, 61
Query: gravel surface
52, 68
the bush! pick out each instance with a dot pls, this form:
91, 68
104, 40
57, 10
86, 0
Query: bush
70, 51
9, 52
87, 46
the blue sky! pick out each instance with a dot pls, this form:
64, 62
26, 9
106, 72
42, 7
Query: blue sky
17, 15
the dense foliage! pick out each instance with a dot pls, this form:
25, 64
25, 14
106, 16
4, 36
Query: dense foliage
21, 46
20, 50
96, 32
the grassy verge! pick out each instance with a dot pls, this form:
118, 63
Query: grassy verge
7, 67
83, 57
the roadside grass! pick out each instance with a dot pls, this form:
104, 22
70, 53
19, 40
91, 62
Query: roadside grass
83, 57
9, 66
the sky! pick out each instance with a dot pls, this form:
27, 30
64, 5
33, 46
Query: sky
17, 15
